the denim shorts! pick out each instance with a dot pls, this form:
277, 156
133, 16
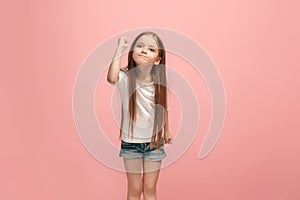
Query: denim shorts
142, 150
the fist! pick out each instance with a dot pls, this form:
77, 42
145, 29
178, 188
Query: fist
123, 43
168, 137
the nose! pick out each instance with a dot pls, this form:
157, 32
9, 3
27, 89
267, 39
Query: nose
144, 50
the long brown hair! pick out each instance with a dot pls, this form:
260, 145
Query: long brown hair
158, 73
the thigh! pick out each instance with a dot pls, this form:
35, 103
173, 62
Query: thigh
151, 172
133, 168
133, 165
151, 166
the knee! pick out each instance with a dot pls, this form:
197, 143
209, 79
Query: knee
149, 188
135, 189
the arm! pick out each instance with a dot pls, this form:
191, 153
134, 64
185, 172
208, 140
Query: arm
167, 135
114, 67
167, 120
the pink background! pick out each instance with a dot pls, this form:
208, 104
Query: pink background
253, 43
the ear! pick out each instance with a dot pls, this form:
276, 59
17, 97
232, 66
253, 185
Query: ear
157, 61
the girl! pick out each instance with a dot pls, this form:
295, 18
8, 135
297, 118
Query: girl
144, 127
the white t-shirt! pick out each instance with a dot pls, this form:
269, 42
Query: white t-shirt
143, 127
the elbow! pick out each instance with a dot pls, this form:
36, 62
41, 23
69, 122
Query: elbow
111, 80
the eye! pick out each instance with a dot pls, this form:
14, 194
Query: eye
138, 45
153, 50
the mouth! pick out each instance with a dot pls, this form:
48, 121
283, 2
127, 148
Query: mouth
140, 55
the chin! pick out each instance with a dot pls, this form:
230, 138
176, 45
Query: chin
142, 63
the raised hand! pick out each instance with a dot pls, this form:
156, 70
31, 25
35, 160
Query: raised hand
123, 43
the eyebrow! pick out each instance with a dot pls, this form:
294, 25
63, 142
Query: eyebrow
149, 46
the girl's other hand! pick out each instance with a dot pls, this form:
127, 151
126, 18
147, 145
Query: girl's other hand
168, 137
123, 43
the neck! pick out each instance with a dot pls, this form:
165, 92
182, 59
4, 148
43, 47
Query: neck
144, 73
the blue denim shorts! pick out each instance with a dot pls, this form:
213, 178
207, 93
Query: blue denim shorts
142, 150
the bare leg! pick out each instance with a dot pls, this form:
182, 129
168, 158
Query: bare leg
133, 167
151, 174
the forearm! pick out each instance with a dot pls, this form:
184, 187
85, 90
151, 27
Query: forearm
114, 67
166, 127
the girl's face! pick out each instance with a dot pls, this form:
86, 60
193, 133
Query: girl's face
145, 51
